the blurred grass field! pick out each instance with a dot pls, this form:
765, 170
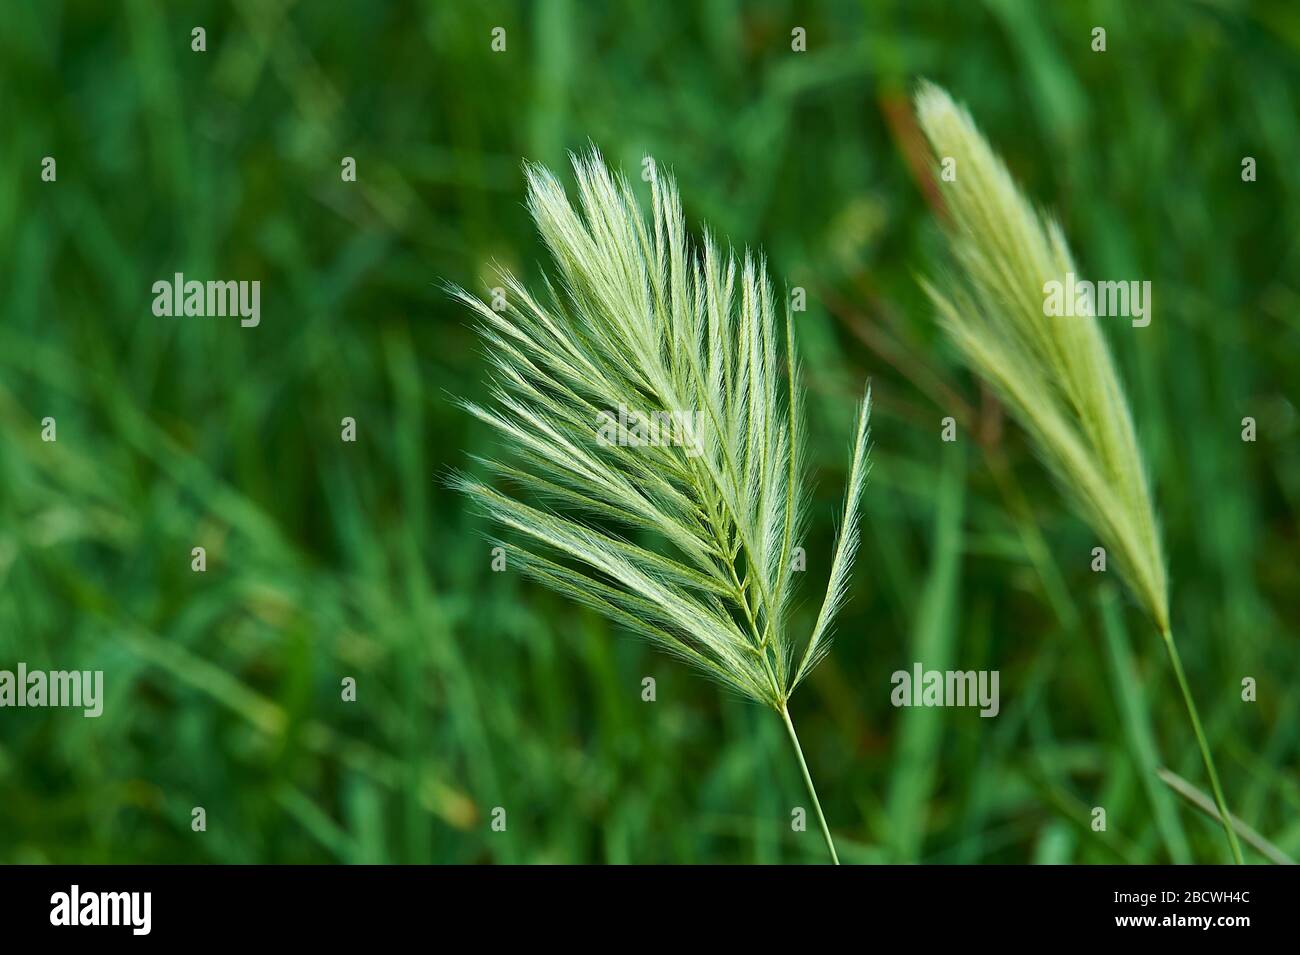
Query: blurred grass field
478, 689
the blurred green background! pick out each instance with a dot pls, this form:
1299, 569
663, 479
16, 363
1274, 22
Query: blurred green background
479, 689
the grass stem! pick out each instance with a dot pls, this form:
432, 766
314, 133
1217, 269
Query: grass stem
1206, 805
807, 778
1224, 816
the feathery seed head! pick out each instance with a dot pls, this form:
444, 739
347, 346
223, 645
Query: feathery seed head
639, 341
1054, 373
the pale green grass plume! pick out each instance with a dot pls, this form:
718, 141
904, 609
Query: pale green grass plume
636, 318
1054, 373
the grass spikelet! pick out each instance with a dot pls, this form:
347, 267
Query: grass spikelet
657, 430
1054, 373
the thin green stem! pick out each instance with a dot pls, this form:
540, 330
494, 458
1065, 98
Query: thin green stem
807, 778
1224, 816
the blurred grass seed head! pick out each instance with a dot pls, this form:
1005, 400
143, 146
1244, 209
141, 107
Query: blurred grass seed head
1054, 373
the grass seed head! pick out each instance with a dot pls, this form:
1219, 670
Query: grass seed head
1054, 373
687, 543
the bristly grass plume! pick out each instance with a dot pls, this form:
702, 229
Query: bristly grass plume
1055, 374
688, 544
